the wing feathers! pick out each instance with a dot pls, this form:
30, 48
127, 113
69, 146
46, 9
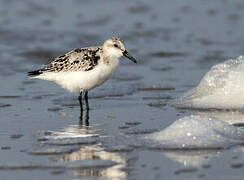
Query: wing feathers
80, 59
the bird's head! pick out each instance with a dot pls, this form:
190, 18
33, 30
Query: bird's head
113, 47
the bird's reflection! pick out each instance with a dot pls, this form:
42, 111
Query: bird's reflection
95, 154
84, 121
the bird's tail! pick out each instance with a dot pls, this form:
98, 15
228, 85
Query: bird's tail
35, 73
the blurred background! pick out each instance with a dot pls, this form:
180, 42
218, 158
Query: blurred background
175, 43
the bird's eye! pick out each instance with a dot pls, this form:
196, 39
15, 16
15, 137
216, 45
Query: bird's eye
116, 45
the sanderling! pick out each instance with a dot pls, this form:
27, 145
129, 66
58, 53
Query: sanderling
83, 69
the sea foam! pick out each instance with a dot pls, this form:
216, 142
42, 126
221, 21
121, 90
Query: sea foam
197, 132
221, 88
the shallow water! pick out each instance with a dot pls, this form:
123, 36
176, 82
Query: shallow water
175, 43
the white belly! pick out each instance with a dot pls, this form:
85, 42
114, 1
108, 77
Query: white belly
81, 80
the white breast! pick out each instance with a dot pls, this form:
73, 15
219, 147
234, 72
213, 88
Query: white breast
83, 80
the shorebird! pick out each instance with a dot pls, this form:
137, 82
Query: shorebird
83, 69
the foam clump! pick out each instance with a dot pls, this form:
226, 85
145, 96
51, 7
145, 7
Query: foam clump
196, 132
221, 88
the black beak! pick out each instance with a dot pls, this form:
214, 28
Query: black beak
126, 54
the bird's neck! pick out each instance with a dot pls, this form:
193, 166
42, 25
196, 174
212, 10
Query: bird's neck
110, 58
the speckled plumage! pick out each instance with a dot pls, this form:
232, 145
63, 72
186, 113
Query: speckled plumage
80, 59
83, 69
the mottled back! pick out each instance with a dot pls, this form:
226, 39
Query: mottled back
80, 59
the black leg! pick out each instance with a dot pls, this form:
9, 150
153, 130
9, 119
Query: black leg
87, 117
80, 101
81, 108
86, 100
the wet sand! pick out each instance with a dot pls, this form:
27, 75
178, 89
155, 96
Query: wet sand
41, 132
